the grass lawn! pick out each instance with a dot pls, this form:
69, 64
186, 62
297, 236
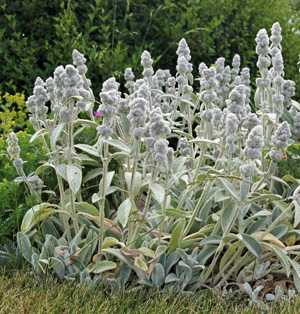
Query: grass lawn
20, 294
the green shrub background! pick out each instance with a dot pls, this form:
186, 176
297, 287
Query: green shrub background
36, 36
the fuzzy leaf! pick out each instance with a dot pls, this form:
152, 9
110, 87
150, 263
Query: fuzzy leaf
92, 174
176, 236
136, 184
56, 133
74, 176
108, 180
118, 144
88, 149
24, 245
158, 192
36, 214
62, 171
252, 245
123, 212
215, 239
139, 263
158, 275
229, 188
228, 214
58, 267
245, 187
104, 266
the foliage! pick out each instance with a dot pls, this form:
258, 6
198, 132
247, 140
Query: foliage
208, 211
113, 34
13, 115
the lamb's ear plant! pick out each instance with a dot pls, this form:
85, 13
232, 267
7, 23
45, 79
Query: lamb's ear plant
193, 197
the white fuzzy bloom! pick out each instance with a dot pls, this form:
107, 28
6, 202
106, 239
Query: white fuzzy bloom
138, 109
232, 124
147, 64
64, 115
50, 85
251, 120
281, 136
149, 142
137, 133
129, 76
254, 143
202, 66
220, 64
296, 128
263, 83
236, 62
262, 40
85, 102
276, 155
288, 90
184, 146
161, 150
248, 171
275, 39
79, 61
236, 101
13, 147
245, 76
207, 114
36, 184
39, 82
278, 63
183, 50
123, 106
157, 125
72, 81
217, 117
104, 130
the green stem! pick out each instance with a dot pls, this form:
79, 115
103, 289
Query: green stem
164, 208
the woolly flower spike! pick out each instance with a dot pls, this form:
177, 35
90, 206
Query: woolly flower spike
275, 39
254, 143
50, 85
207, 115
262, 49
288, 90
217, 117
79, 61
72, 81
236, 100
104, 130
280, 141
236, 62
13, 147
278, 63
232, 124
129, 76
36, 184
157, 125
250, 121
85, 102
262, 40
161, 150
281, 136
58, 82
296, 127
138, 109
184, 146
245, 76
183, 50
220, 64
147, 64
202, 67
248, 170
109, 98
64, 115
39, 82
